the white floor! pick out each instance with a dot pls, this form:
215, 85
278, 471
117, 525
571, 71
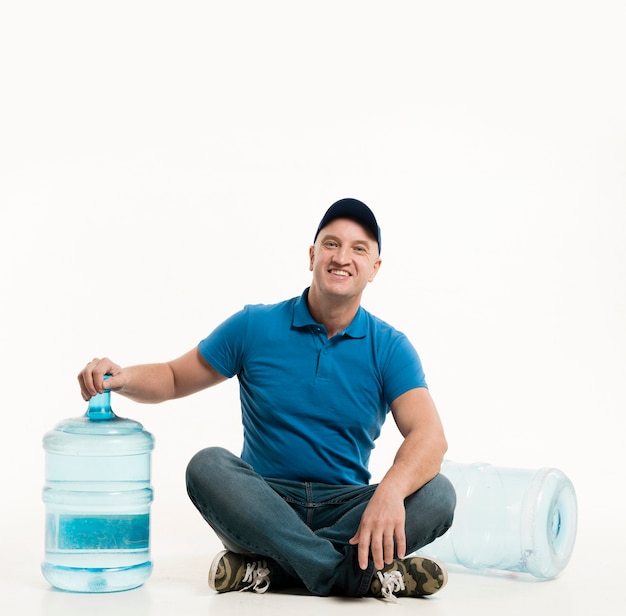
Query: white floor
592, 583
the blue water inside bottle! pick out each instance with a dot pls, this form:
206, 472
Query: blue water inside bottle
97, 495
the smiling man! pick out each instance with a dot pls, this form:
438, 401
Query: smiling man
344, 258
318, 376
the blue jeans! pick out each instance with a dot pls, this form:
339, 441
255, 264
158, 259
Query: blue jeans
304, 527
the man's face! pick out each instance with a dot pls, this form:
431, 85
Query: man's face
344, 258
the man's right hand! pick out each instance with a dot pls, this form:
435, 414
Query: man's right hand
91, 377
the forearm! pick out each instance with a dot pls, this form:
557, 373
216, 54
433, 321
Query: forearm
148, 383
417, 461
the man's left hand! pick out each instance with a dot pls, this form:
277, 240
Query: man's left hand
381, 531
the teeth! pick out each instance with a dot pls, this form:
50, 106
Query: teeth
339, 272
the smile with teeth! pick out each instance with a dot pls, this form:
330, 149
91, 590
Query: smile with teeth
340, 272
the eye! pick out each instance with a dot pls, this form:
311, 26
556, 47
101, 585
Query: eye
330, 244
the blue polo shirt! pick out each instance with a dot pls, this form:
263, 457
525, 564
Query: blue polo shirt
312, 407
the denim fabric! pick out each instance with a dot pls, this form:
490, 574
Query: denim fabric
304, 527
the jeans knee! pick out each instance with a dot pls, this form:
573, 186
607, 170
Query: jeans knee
207, 462
447, 499
438, 497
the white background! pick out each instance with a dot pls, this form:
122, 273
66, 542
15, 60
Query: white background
164, 163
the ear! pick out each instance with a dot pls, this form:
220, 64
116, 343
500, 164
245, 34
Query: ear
311, 257
375, 269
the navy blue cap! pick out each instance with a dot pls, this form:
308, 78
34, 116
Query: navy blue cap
353, 209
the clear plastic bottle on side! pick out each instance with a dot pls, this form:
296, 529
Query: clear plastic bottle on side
509, 519
97, 496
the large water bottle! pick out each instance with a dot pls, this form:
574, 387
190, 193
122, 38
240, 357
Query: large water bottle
97, 495
509, 519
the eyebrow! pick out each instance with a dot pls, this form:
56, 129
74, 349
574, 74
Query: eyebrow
365, 240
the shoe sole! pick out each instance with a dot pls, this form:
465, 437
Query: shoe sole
213, 570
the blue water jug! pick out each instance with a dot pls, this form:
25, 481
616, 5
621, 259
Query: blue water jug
509, 519
97, 496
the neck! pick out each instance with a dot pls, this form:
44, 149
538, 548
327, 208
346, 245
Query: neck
334, 313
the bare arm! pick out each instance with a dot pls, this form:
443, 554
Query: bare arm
150, 383
417, 461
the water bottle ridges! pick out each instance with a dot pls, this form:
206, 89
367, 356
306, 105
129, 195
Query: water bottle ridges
97, 496
509, 519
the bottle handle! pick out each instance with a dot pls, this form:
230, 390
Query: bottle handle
99, 408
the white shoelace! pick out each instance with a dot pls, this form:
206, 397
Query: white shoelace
390, 582
258, 575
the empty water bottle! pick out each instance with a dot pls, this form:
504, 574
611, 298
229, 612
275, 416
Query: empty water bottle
97, 495
509, 519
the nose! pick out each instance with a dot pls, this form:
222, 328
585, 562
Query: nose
341, 256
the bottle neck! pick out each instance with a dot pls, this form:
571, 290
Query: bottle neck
100, 407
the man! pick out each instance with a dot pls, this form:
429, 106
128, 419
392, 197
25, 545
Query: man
318, 375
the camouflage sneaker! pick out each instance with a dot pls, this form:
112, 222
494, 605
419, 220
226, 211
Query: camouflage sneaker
231, 571
411, 577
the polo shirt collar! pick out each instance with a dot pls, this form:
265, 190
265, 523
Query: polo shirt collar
302, 318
